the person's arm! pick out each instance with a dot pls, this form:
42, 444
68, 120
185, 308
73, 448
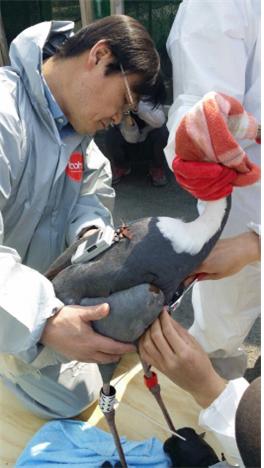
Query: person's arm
129, 129
27, 298
70, 333
32, 316
154, 117
219, 418
170, 348
229, 256
96, 200
29, 309
208, 51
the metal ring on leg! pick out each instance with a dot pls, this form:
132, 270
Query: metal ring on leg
106, 403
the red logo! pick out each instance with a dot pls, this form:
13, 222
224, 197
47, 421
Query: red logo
74, 168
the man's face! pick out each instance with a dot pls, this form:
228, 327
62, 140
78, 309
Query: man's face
98, 100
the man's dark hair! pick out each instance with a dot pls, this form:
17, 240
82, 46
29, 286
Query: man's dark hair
131, 46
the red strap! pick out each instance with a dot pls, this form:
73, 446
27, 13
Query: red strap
150, 382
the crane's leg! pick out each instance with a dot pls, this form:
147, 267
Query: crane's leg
106, 403
151, 381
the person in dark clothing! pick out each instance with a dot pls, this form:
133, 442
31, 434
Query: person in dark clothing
142, 130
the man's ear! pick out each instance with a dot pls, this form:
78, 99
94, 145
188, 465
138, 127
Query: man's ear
99, 52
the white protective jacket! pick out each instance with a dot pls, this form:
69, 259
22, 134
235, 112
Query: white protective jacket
43, 205
215, 45
153, 118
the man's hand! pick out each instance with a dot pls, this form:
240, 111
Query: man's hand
70, 333
229, 256
171, 349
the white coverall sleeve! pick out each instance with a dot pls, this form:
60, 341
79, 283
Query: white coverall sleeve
27, 298
219, 418
130, 133
97, 197
155, 118
207, 49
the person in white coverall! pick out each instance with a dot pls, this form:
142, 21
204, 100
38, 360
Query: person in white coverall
167, 346
55, 187
143, 130
215, 46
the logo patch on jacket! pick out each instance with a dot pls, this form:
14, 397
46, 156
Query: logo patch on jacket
74, 168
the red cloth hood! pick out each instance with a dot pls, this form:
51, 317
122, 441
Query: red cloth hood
209, 161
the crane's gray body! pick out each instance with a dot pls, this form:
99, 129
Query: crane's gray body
121, 277
148, 257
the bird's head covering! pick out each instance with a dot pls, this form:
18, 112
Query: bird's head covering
209, 161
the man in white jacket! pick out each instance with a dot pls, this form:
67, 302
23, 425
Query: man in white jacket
174, 351
216, 46
55, 186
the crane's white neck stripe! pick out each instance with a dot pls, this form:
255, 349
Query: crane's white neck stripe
191, 237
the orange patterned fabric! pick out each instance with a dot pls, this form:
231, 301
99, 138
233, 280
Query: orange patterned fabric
209, 161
